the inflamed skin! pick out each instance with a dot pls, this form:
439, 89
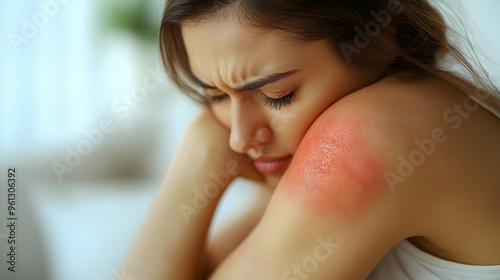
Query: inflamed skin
335, 169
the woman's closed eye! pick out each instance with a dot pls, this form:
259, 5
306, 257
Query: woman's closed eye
278, 103
272, 103
217, 98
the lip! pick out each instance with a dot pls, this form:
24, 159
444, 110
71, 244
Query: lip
271, 165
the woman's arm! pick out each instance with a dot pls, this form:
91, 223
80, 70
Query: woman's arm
334, 214
225, 240
170, 242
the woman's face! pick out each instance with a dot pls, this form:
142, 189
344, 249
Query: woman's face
265, 87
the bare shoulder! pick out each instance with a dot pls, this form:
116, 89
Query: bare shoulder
447, 156
357, 181
424, 126
411, 114
408, 108
421, 103
386, 141
366, 152
336, 192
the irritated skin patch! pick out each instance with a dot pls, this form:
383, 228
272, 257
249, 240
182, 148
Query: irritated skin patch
335, 170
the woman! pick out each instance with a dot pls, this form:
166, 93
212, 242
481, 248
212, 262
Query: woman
381, 164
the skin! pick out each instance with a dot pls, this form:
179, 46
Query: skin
182, 237
365, 125
335, 151
222, 55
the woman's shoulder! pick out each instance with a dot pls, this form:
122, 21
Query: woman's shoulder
405, 110
392, 113
404, 102
428, 130
436, 149
376, 138
418, 127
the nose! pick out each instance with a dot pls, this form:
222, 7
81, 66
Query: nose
248, 130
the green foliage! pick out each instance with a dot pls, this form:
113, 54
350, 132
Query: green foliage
134, 16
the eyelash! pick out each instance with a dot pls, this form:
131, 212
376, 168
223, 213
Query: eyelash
215, 99
277, 104
272, 103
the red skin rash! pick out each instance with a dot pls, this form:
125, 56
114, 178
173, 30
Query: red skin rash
334, 170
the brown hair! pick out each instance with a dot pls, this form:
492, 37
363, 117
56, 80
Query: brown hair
361, 32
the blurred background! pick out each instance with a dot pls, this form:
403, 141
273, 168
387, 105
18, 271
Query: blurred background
90, 122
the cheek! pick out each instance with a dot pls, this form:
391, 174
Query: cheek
334, 171
222, 113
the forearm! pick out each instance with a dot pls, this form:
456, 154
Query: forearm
227, 237
170, 242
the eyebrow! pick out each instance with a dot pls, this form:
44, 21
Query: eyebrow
269, 79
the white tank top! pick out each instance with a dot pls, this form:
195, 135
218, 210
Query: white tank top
405, 261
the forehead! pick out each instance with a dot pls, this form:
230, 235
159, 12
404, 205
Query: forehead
228, 46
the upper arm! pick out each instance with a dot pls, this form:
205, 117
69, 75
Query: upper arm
337, 170
333, 215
